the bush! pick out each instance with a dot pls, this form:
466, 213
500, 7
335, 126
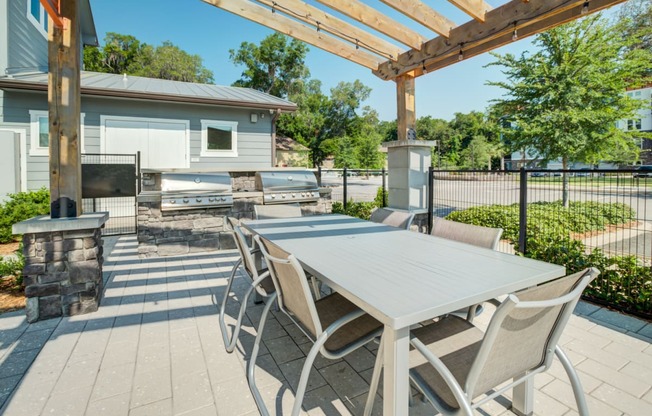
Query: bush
360, 210
378, 200
623, 281
22, 206
13, 267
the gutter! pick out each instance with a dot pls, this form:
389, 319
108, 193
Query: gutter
102, 92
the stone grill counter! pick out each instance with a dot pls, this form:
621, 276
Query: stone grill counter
169, 233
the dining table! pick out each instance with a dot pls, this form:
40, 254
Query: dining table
403, 278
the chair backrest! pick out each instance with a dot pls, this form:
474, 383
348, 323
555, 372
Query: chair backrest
467, 233
249, 263
524, 331
293, 291
268, 212
399, 219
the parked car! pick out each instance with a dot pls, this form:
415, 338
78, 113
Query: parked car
585, 173
538, 174
643, 171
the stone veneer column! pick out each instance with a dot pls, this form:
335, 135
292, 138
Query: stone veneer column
63, 265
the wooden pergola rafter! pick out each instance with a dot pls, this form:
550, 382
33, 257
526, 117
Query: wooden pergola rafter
486, 30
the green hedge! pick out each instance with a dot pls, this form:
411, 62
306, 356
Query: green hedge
360, 210
20, 207
623, 282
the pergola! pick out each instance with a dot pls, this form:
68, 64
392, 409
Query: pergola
487, 29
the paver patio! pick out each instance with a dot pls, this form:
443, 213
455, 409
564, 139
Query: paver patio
154, 348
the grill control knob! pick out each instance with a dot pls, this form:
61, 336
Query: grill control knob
282, 195
211, 199
198, 199
185, 201
222, 199
294, 196
172, 201
273, 196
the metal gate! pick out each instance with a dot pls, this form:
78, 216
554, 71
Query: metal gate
110, 182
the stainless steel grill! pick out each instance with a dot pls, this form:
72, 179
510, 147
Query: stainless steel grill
287, 187
195, 190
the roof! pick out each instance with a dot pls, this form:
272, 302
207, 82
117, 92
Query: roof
88, 32
123, 86
285, 143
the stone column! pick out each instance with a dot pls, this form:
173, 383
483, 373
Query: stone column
63, 264
408, 162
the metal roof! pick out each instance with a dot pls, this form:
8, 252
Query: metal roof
127, 86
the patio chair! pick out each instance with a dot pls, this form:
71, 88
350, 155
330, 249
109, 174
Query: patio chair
267, 212
467, 233
335, 325
470, 234
452, 362
260, 282
399, 219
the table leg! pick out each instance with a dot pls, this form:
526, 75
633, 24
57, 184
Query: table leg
523, 398
396, 386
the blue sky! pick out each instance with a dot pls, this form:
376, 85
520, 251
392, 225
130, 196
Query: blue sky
203, 29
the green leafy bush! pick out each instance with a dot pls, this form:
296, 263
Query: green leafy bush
13, 267
20, 207
360, 210
624, 282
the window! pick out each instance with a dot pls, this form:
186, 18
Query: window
634, 124
38, 16
40, 133
219, 138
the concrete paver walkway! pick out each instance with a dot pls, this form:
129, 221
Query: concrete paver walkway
154, 348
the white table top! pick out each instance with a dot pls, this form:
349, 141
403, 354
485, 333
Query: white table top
400, 277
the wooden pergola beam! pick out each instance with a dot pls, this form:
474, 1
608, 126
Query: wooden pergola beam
337, 27
474, 38
282, 24
474, 8
378, 21
419, 12
53, 9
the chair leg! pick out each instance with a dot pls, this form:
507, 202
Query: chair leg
315, 287
251, 365
375, 380
305, 373
229, 343
582, 407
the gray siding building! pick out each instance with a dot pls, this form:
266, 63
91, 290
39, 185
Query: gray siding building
173, 124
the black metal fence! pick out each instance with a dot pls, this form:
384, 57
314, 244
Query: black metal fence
110, 182
595, 217
359, 185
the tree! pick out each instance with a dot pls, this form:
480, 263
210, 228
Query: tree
273, 67
478, 153
635, 22
565, 99
124, 54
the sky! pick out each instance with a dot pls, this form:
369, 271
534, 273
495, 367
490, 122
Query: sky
205, 30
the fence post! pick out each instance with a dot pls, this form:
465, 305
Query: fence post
522, 207
384, 189
431, 196
344, 179
319, 176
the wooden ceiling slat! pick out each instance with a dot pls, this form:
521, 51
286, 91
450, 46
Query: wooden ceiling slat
474, 8
475, 38
423, 14
282, 24
377, 20
335, 26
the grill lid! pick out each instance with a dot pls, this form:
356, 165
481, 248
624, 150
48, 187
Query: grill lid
196, 182
286, 181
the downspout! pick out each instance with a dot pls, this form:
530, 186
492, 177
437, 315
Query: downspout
276, 114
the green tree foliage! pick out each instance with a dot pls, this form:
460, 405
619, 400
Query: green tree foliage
124, 54
275, 66
635, 23
566, 98
479, 153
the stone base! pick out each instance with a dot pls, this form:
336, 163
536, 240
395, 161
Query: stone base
63, 265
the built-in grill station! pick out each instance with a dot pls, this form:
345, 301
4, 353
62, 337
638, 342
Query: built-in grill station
287, 187
181, 191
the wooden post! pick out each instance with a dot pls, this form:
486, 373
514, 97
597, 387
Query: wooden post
64, 104
405, 107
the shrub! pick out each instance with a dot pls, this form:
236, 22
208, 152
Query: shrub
13, 267
20, 207
378, 200
360, 210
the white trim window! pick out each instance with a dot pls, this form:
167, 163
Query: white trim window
39, 134
219, 138
38, 16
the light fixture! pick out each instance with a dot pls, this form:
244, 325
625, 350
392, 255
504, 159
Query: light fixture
585, 7
460, 55
261, 115
423, 67
514, 33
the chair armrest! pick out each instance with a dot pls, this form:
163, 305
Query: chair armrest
446, 375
